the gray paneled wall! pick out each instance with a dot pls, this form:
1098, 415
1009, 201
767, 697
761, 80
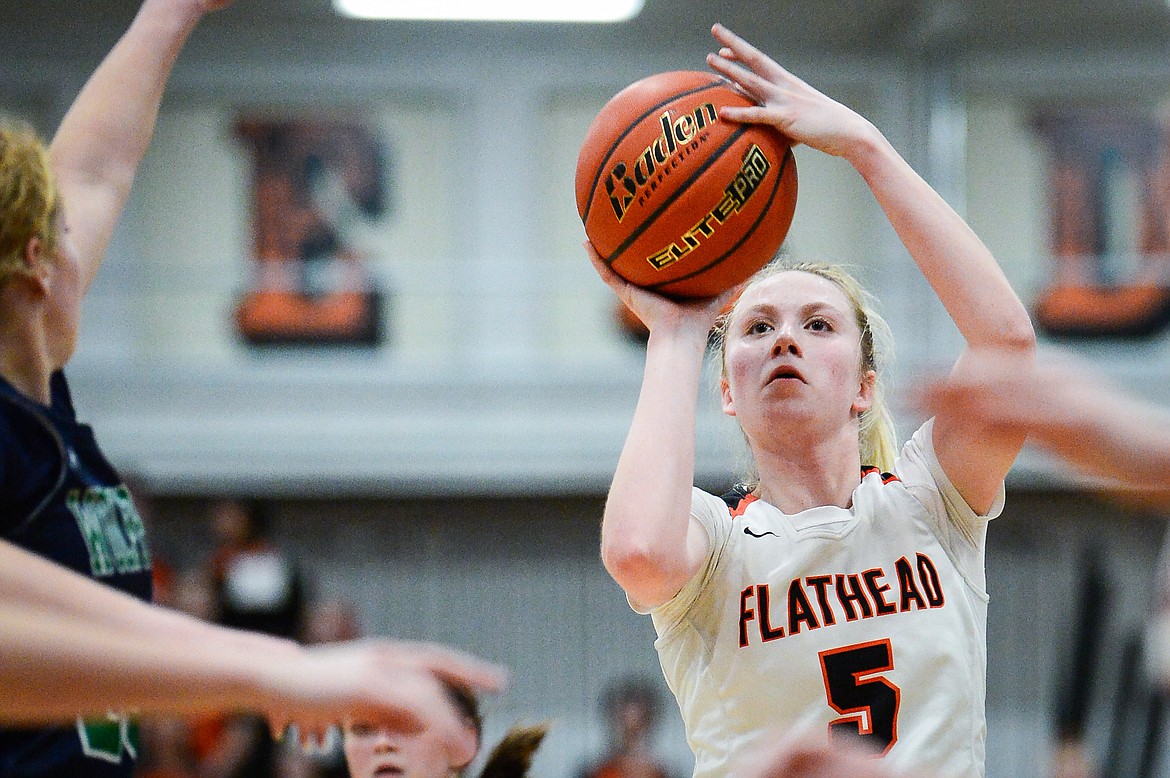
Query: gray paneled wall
504, 368
519, 581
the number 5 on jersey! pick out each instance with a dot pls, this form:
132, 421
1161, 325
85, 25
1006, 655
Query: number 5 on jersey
868, 705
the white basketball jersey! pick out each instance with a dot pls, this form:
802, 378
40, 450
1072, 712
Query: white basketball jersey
868, 622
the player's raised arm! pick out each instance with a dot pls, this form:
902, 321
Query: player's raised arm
649, 542
105, 133
959, 268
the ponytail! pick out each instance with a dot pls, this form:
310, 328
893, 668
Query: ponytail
513, 755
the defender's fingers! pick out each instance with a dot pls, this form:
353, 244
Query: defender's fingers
463, 669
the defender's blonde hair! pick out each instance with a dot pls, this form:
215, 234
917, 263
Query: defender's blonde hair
28, 197
876, 436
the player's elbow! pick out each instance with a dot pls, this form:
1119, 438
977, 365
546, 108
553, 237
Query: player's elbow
644, 578
625, 556
1019, 335
638, 565
1013, 331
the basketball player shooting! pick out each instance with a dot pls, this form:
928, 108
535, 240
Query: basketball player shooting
842, 593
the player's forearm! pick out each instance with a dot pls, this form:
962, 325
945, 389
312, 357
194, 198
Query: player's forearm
107, 129
1111, 436
36, 584
53, 668
648, 508
106, 132
952, 258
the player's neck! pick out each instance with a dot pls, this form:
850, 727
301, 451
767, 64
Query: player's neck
24, 353
797, 474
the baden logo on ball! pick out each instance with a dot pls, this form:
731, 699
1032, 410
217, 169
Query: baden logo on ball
676, 199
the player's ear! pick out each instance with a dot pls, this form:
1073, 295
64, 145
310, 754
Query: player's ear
36, 260
865, 392
725, 395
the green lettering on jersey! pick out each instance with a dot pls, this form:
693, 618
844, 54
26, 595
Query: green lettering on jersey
107, 738
112, 528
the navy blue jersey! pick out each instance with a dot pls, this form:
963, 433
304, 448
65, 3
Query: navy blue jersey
60, 498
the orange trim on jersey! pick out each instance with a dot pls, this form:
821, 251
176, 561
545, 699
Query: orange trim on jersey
744, 502
886, 477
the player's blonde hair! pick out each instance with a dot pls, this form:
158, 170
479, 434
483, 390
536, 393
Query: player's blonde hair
28, 197
876, 436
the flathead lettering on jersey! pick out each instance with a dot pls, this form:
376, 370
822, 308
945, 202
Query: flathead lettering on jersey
816, 601
107, 739
743, 185
113, 530
677, 140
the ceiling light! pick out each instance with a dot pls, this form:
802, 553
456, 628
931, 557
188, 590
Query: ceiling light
493, 10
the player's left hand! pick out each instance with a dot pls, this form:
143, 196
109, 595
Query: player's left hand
658, 312
786, 102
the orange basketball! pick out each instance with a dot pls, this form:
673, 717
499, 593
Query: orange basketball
676, 199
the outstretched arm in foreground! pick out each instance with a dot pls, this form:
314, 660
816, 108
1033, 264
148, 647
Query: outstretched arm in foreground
58, 661
1066, 409
789, 759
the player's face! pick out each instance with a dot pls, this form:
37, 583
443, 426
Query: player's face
793, 355
378, 752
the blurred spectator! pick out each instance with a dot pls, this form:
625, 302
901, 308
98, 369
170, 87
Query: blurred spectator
631, 710
373, 752
331, 621
167, 745
174, 748
166, 749
193, 593
257, 586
